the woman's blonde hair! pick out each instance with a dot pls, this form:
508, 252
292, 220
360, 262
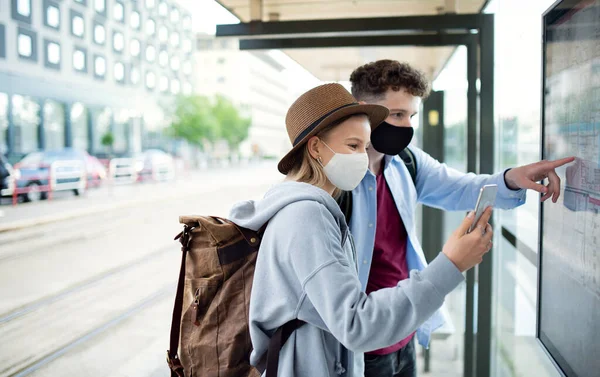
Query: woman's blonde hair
309, 170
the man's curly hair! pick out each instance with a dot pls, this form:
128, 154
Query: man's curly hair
371, 81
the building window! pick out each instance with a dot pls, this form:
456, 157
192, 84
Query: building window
175, 86
187, 67
79, 126
163, 58
119, 11
119, 72
100, 6
221, 80
150, 4
150, 80
175, 39
51, 14
175, 15
135, 48
135, 20
187, 45
99, 34
54, 125
77, 24
118, 41
80, 59
187, 88
52, 59
151, 53
163, 34
26, 121
175, 63
163, 84
150, 27
99, 66
187, 23
27, 44
82, 2
134, 75
163, 9
21, 10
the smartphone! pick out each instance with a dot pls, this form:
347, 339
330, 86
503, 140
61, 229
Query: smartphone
487, 197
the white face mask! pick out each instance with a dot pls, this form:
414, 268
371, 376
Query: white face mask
345, 171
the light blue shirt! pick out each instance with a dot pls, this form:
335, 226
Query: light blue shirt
437, 185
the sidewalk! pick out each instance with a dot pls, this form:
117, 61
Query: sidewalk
67, 206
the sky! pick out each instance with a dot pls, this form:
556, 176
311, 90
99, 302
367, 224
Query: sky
206, 14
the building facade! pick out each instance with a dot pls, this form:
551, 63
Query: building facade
255, 81
73, 70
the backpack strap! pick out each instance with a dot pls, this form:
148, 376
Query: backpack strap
345, 203
410, 161
276, 344
172, 357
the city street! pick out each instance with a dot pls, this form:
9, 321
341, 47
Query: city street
89, 290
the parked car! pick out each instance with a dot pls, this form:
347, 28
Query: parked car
7, 176
154, 164
33, 172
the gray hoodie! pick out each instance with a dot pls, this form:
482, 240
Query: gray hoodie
306, 269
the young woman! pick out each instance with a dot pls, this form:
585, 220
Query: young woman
306, 267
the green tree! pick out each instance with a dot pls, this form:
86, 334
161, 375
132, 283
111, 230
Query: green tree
234, 127
107, 140
194, 121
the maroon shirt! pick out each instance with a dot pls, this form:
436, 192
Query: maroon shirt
389, 255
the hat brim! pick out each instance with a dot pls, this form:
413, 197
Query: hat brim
375, 113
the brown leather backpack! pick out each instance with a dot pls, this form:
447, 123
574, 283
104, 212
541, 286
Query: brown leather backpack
210, 315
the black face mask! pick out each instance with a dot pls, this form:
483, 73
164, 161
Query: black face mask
391, 140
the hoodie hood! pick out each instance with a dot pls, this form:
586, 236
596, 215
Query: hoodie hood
253, 214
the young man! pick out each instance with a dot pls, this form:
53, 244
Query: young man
383, 205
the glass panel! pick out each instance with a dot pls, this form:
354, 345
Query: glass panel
119, 11
79, 60
79, 126
100, 5
53, 53
53, 16
119, 72
3, 123
78, 26
54, 125
100, 66
150, 53
135, 20
163, 58
515, 350
25, 45
26, 120
134, 47
453, 81
163, 84
150, 27
99, 34
118, 41
24, 7
175, 63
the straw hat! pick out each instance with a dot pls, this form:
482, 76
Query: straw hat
317, 109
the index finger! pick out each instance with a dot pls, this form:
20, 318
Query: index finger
558, 163
485, 217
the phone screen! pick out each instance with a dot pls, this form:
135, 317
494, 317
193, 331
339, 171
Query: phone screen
487, 198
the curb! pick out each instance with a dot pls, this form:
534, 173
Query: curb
105, 208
